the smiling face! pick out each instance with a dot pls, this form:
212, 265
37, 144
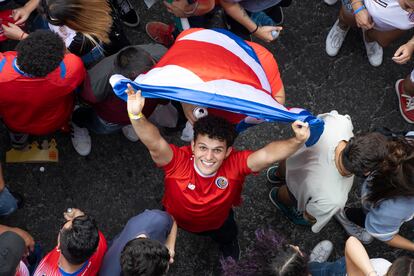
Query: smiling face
209, 153
407, 5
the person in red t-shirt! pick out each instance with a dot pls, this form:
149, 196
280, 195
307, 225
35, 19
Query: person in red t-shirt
80, 249
204, 181
36, 86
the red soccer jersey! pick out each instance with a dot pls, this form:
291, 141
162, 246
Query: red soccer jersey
49, 264
200, 203
35, 105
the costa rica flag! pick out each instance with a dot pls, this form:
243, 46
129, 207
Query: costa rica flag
217, 69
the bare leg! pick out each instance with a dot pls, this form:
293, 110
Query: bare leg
383, 38
408, 86
346, 19
281, 171
283, 196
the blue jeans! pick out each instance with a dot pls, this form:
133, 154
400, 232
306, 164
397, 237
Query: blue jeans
336, 268
86, 117
8, 204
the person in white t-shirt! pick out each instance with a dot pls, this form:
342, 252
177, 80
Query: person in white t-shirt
319, 178
381, 21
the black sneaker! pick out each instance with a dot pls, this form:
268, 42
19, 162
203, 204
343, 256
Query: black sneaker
126, 12
18, 140
231, 249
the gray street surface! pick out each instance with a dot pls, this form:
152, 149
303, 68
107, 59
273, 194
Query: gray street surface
118, 179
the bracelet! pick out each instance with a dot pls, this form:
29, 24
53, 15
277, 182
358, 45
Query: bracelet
359, 9
255, 30
193, 11
359, 1
21, 36
136, 116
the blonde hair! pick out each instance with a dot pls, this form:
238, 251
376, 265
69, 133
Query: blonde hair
90, 17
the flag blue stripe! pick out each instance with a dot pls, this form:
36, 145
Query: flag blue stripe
246, 47
237, 105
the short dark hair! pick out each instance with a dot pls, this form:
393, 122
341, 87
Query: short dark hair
143, 256
132, 61
40, 53
79, 242
364, 153
215, 128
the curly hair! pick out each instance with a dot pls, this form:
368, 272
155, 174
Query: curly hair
270, 255
215, 128
395, 175
79, 242
40, 53
144, 257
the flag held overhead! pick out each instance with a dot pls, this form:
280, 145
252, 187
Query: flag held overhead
227, 75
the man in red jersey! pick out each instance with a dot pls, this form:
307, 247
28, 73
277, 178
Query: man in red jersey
204, 181
36, 86
80, 249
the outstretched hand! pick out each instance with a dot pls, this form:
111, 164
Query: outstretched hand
302, 131
135, 102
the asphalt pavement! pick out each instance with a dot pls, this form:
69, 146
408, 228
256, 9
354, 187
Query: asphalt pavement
118, 179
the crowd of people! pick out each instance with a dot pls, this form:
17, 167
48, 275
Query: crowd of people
62, 67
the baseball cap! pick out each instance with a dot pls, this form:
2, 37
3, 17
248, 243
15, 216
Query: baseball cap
12, 248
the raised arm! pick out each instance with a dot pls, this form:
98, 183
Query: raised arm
279, 150
149, 135
357, 259
238, 13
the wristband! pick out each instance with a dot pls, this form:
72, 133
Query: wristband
136, 116
359, 9
255, 30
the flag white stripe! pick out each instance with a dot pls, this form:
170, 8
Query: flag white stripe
219, 39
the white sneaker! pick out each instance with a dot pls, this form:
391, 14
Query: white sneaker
81, 140
374, 52
321, 252
330, 2
129, 133
335, 39
352, 229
